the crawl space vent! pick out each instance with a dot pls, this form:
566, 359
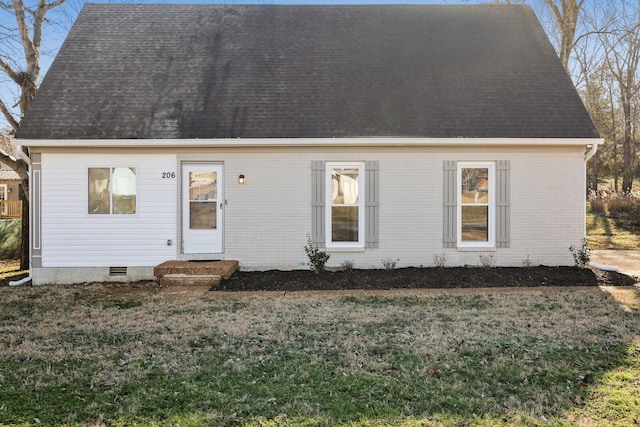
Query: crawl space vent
117, 271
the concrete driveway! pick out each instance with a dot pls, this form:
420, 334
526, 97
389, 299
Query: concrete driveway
627, 261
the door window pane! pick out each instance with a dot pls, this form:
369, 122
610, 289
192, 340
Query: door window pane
202, 215
203, 186
203, 195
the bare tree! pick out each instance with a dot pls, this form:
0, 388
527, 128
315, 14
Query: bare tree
22, 67
623, 60
566, 13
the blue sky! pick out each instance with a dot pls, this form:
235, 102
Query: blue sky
54, 35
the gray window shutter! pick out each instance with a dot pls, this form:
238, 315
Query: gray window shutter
372, 203
503, 200
317, 203
449, 233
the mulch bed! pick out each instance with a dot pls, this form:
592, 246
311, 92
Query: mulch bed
412, 278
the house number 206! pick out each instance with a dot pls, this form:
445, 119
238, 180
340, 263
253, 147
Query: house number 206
168, 175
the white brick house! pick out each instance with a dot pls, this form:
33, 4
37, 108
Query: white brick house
397, 132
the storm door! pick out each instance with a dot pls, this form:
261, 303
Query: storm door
202, 204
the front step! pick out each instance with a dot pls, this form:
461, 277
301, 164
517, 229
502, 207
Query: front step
193, 276
187, 280
184, 283
224, 269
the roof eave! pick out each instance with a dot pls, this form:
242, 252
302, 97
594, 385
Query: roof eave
308, 142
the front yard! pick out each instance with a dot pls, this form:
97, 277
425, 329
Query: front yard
605, 232
98, 355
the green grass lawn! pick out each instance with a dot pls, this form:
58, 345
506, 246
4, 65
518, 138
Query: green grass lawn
99, 355
604, 232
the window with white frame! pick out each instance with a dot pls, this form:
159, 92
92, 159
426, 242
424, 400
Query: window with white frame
476, 204
345, 204
112, 191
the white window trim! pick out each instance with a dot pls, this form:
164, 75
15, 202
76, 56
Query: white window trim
491, 243
110, 214
329, 166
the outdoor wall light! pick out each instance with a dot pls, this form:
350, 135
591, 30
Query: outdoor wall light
241, 179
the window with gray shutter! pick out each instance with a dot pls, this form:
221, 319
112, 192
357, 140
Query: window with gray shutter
501, 204
371, 206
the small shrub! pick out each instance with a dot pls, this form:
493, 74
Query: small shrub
389, 263
634, 214
597, 203
619, 205
487, 260
10, 239
616, 204
582, 254
347, 265
318, 257
527, 263
440, 261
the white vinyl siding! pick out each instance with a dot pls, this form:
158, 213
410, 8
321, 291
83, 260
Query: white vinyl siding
72, 237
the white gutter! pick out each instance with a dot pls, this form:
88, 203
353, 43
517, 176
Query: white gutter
236, 143
22, 155
591, 153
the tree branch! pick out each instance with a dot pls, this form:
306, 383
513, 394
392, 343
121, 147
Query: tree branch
19, 166
13, 74
23, 28
54, 4
7, 115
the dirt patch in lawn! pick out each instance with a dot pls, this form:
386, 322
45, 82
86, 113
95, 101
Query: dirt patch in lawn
417, 278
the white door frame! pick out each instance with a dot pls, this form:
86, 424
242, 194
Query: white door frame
203, 236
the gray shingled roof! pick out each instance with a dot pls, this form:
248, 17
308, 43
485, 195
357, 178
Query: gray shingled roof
8, 174
252, 71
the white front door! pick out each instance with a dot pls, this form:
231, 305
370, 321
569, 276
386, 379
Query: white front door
202, 204
3, 197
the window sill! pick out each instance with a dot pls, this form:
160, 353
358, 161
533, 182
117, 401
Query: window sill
345, 249
476, 248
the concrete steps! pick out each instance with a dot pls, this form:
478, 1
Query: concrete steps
193, 276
